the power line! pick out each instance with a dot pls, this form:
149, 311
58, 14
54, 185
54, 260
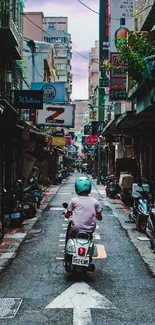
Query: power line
83, 4
85, 57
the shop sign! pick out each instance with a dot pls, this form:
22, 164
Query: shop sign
28, 99
88, 129
57, 115
123, 12
58, 141
92, 139
72, 149
97, 127
104, 34
53, 92
118, 78
68, 140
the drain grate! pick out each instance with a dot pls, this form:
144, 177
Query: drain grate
9, 307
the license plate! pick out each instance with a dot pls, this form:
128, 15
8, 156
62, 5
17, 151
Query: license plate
80, 261
26, 206
15, 215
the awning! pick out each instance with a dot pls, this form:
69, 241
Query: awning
135, 123
110, 127
127, 120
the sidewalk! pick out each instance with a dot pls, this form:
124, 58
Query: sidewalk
140, 241
14, 237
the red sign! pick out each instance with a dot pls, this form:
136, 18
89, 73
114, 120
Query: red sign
92, 139
118, 78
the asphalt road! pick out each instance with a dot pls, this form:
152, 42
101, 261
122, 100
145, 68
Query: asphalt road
120, 291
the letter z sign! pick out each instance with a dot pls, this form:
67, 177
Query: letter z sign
56, 115
53, 117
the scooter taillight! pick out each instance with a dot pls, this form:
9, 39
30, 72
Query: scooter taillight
81, 251
14, 209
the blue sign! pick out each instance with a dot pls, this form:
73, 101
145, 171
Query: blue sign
53, 92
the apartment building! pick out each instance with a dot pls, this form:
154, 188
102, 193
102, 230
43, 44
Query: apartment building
33, 24
93, 79
56, 33
81, 114
11, 40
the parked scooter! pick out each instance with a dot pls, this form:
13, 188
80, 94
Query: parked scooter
150, 226
79, 251
112, 187
16, 214
141, 209
125, 182
26, 198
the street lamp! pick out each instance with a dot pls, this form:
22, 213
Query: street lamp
99, 158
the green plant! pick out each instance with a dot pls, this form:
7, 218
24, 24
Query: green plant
132, 52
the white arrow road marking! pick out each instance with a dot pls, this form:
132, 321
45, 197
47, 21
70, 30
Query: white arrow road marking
81, 298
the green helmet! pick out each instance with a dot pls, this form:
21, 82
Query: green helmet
83, 184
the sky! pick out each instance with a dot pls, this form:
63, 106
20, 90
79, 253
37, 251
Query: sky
83, 26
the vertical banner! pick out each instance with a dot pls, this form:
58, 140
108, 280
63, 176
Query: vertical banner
103, 36
122, 20
118, 79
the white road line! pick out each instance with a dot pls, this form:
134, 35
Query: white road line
62, 235
61, 239
96, 236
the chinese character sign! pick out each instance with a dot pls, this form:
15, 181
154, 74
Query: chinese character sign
118, 78
122, 20
104, 33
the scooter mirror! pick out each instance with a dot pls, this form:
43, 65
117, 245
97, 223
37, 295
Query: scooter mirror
65, 205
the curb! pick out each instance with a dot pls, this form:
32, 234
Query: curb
139, 240
13, 239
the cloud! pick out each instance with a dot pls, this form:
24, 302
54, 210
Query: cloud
83, 27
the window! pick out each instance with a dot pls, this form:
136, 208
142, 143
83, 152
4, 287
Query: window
51, 26
47, 39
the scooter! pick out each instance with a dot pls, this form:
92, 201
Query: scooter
16, 214
140, 212
79, 250
112, 189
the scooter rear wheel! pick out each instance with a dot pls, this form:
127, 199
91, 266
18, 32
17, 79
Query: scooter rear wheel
68, 263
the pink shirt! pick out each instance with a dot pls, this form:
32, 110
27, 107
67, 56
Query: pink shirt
84, 210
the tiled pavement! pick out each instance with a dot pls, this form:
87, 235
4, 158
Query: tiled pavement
14, 237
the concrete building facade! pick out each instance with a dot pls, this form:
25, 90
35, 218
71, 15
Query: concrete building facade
52, 31
93, 79
33, 24
56, 33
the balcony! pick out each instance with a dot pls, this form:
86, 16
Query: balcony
10, 38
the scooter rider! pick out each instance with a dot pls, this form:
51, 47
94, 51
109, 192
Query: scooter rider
83, 209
